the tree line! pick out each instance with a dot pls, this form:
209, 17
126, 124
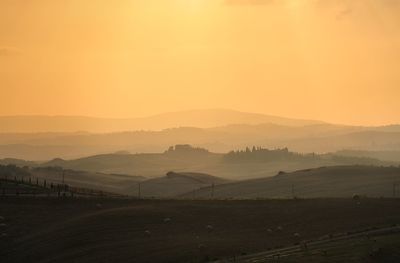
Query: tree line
263, 154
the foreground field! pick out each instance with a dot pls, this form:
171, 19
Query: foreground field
88, 230
369, 250
370, 245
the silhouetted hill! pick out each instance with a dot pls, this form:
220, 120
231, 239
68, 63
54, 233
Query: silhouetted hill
370, 140
184, 158
194, 118
117, 183
319, 138
336, 181
389, 128
174, 184
198, 177
390, 156
18, 162
55, 162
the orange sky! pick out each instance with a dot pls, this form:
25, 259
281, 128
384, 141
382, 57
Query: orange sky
333, 60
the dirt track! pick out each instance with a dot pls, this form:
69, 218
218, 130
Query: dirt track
42, 230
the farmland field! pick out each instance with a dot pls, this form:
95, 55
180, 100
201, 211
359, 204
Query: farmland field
105, 230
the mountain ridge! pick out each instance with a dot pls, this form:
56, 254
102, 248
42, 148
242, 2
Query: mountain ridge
205, 118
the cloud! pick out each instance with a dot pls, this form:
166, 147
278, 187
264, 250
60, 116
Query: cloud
248, 2
9, 51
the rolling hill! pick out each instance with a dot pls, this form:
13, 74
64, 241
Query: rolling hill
330, 181
320, 138
148, 165
390, 156
174, 184
246, 165
116, 183
336, 181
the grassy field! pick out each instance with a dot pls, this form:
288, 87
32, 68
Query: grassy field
103, 230
369, 250
325, 182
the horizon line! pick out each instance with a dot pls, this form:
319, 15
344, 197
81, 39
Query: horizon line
194, 110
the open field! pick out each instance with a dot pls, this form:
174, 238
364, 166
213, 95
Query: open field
325, 182
376, 244
363, 247
104, 230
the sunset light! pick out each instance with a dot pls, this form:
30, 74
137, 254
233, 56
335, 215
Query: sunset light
199, 131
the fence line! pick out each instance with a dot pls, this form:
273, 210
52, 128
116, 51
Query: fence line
35, 186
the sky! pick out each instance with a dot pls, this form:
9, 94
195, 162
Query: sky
331, 60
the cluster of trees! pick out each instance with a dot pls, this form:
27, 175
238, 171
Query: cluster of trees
13, 170
262, 154
185, 149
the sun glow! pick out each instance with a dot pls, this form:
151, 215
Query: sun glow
194, 6
135, 58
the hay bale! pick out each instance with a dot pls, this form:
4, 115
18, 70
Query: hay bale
167, 220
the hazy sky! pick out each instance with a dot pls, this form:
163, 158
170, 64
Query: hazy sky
334, 60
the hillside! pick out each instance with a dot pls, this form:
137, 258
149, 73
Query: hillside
320, 138
18, 162
390, 156
174, 184
116, 183
369, 140
148, 165
183, 158
336, 181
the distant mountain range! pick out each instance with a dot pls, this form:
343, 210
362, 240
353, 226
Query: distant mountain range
321, 138
217, 130
193, 118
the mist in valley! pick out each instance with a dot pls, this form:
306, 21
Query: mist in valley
201, 131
